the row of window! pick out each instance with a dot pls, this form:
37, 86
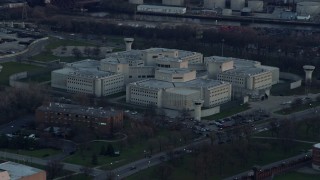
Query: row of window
80, 83
143, 101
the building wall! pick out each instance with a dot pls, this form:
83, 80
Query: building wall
169, 77
149, 56
260, 81
142, 95
173, 2
38, 176
217, 95
115, 68
214, 68
195, 58
80, 84
112, 84
59, 80
178, 101
139, 73
235, 80
171, 64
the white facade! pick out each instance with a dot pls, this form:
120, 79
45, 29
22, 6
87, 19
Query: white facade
173, 2
237, 4
256, 6
161, 9
136, 1
211, 4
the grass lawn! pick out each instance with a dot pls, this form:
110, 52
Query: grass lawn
126, 155
40, 153
228, 112
38, 78
184, 169
297, 176
290, 110
79, 177
10, 68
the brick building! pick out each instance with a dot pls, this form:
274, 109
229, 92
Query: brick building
67, 115
316, 156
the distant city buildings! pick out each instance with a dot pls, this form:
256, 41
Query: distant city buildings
67, 115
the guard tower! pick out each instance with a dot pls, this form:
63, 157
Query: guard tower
128, 42
308, 69
197, 109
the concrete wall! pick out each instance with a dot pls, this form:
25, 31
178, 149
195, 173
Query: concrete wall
211, 111
13, 80
293, 77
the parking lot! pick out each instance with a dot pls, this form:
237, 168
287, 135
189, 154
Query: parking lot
12, 42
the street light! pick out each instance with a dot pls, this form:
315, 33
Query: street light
222, 47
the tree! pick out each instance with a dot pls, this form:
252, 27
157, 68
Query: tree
110, 150
76, 52
296, 103
102, 150
96, 51
318, 98
164, 171
87, 51
94, 159
87, 171
53, 168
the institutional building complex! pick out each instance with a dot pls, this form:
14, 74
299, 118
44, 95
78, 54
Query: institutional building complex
168, 78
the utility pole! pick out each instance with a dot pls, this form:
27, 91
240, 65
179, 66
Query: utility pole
222, 47
24, 15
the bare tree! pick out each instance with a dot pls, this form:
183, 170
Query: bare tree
53, 168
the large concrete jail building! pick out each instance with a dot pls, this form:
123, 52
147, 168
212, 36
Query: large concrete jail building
168, 78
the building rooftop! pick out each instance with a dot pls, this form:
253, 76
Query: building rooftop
169, 59
78, 109
115, 60
18, 171
156, 6
88, 63
237, 62
196, 83
174, 70
245, 71
182, 91
317, 145
129, 55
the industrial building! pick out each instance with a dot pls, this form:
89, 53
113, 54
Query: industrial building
14, 171
99, 119
212, 4
161, 9
173, 2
